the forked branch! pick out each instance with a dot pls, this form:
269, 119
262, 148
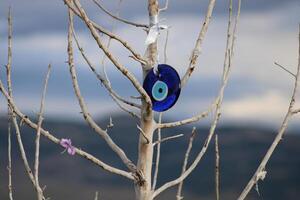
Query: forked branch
38, 135
83, 106
119, 66
25, 119
185, 161
113, 94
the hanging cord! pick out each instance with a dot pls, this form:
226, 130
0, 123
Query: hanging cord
152, 37
155, 67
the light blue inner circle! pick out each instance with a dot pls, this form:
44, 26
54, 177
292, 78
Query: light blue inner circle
159, 91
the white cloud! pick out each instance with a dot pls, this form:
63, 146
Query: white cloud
269, 107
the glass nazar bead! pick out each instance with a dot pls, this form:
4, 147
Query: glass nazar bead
163, 87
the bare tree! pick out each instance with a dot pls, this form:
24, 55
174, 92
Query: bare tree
139, 173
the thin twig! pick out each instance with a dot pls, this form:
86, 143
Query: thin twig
197, 49
8, 73
108, 44
111, 124
186, 158
96, 195
217, 170
193, 119
260, 172
9, 167
116, 17
167, 138
165, 7
38, 135
285, 69
157, 154
22, 151
228, 40
83, 106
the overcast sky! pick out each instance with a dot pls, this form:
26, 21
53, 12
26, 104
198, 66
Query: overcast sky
258, 91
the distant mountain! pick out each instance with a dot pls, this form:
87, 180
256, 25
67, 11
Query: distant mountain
67, 177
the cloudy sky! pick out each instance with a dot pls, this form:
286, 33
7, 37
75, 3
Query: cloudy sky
258, 91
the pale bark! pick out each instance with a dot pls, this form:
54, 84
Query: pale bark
145, 154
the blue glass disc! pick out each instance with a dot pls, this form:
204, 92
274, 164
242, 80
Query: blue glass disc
162, 87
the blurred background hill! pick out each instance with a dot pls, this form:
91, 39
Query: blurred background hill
67, 177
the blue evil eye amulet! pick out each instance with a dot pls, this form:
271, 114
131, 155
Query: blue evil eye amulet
163, 87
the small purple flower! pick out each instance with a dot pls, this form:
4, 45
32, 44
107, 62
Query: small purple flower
67, 144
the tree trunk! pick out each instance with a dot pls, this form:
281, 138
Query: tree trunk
145, 157
143, 190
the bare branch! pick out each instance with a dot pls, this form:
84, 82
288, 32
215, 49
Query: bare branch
260, 172
99, 77
96, 195
167, 138
23, 152
157, 154
285, 69
9, 167
38, 135
186, 121
186, 158
228, 40
12, 115
113, 94
138, 57
217, 170
118, 18
25, 119
120, 67
8, 73
110, 125
197, 49
165, 7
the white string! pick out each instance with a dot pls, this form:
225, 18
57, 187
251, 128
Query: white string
152, 37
